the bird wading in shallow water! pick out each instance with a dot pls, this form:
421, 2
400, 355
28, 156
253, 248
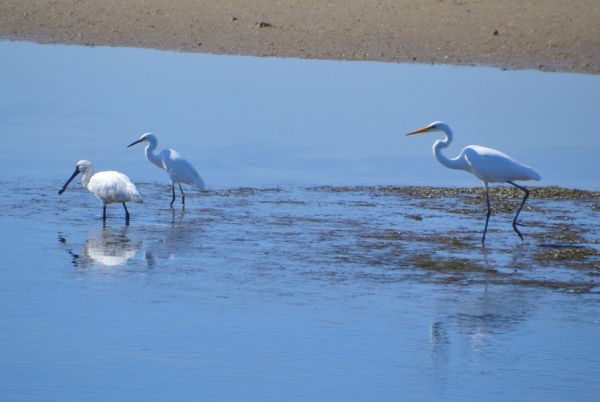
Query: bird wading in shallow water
488, 165
110, 187
178, 168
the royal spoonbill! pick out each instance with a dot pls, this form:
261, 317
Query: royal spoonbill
177, 167
488, 165
110, 187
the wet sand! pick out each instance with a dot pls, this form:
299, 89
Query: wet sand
548, 35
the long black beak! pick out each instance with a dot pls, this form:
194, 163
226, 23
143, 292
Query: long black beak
75, 173
133, 143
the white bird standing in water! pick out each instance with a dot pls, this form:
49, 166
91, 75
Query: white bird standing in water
110, 187
178, 168
488, 165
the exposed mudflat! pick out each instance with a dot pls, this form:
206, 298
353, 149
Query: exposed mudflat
548, 35
338, 234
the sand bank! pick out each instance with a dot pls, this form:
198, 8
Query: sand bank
550, 35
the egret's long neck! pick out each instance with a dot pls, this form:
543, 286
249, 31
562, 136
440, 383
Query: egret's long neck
457, 163
87, 176
150, 154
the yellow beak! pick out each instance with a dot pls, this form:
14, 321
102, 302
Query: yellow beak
419, 131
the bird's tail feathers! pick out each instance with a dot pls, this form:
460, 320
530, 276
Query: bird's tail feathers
533, 175
200, 183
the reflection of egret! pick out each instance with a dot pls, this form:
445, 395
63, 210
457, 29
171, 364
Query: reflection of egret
437, 334
149, 258
110, 187
488, 165
180, 219
440, 343
178, 168
479, 318
491, 312
180, 238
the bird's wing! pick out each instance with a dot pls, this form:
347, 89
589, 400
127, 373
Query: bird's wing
180, 169
114, 187
490, 165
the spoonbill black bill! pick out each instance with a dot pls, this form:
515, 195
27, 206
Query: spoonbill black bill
176, 166
110, 187
488, 165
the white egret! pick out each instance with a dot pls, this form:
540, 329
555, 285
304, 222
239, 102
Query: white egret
110, 187
178, 168
488, 165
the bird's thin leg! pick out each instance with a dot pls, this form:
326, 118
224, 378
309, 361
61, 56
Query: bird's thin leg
126, 214
489, 212
104, 212
182, 195
521, 207
173, 200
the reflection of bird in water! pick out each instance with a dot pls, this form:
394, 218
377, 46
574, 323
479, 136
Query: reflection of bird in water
149, 258
178, 168
475, 320
112, 247
105, 247
110, 187
178, 220
181, 238
440, 344
490, 312
488, 165
437, 334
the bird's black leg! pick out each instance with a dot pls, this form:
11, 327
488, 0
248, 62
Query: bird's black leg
104, 212
173, 200
521, 207
182, 195
126, 214
489, 212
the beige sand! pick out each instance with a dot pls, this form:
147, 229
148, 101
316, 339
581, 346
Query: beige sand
551, 35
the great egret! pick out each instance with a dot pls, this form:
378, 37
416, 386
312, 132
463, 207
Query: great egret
178, 168
110, 187
488, 165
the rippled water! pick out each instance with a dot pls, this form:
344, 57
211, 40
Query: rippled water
292, 293
278, 283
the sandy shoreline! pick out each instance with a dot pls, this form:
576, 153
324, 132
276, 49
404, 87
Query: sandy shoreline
549, 35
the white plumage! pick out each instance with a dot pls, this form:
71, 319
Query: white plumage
488, 165
176, 166
108, 249
492, 166
109, 187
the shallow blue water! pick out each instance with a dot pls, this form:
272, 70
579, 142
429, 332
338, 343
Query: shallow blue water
272, 294
170, 313
276, 294
246, 121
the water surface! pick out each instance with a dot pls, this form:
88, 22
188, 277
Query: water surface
255, 122
305, 272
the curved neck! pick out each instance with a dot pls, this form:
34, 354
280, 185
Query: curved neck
87, 176
150, 153
456, 163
